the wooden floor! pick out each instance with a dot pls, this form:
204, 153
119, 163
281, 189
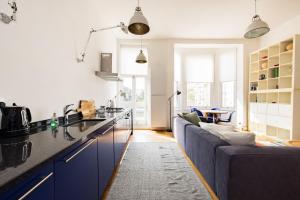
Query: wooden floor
152, 136
161, 136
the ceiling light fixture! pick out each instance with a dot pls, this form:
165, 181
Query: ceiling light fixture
141, 58
123, 27
257, 28
138, 24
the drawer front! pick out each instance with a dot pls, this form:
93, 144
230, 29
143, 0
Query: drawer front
272, 109
272, 121
262, 108
253, 117
285, 110
284, 122
262, 119
253, 107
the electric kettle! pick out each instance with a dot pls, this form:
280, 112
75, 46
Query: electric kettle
14, 118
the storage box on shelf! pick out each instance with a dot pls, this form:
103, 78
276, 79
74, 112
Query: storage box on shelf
274, 95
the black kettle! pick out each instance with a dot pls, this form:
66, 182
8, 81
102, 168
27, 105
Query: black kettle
14, 118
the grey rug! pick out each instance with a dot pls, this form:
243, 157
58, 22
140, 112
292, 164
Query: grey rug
156, 171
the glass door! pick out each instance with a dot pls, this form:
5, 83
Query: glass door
133, 94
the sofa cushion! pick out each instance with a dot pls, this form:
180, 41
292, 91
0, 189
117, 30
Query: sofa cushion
228, 134
192, 117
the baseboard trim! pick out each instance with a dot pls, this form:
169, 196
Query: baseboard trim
159, 129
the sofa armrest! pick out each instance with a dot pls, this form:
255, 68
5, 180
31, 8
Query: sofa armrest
266, 173
180, 130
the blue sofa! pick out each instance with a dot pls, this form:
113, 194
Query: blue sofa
241, 172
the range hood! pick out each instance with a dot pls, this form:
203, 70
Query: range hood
106, 68
108, 76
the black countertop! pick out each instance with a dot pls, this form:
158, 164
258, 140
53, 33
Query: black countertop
43, 146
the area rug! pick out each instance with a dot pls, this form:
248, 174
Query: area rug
156, 171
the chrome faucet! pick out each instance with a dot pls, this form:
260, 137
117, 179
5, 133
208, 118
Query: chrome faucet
66, 112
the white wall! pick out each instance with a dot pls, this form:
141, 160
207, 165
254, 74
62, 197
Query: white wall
161, 62
282, 32
38, 53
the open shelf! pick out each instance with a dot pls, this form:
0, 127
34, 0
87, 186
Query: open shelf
254, 57
274, 50
285, 97
253, 98
263, 65
283, 134
285, 82
286, 70
273, 83
286, 59
274, 62
271, 131
263, 54
272, 98
284, 44
274, 90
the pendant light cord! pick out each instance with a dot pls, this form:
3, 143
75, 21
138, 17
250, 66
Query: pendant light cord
255, 7
138, 3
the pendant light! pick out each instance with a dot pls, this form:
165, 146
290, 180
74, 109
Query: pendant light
141, 58
257, 28
138, 24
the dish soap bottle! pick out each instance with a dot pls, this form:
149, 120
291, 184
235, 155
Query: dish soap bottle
54, 121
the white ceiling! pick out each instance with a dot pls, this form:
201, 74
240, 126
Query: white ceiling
200, 18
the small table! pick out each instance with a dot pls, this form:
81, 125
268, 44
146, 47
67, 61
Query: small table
215, 113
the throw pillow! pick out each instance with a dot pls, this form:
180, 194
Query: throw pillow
192, 117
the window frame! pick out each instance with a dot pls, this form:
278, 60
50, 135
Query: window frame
210, 95
234, 95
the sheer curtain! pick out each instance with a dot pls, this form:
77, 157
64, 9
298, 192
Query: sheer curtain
199, 75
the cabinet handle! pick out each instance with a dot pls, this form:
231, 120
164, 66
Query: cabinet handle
78, 152
107, 130
36, 186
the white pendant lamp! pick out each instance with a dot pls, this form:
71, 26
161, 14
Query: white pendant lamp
257, 28
141, 58
138, 24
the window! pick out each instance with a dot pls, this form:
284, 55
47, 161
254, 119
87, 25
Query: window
199, 74
228, 94
198, 94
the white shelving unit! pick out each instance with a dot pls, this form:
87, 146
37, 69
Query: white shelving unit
274, 91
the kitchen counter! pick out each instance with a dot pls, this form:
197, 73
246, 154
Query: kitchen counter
19, 156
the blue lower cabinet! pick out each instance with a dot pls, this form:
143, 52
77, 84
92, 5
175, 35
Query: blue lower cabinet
76, 174
40, 185
121, 136
105, 157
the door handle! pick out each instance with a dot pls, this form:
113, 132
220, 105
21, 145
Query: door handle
36, 186
78, 152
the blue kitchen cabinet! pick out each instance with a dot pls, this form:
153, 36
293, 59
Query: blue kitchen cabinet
105, 157
122, 132
39, 185
76, 174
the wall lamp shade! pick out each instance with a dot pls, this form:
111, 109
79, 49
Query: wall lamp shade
141, 58
257, 28
138, 24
